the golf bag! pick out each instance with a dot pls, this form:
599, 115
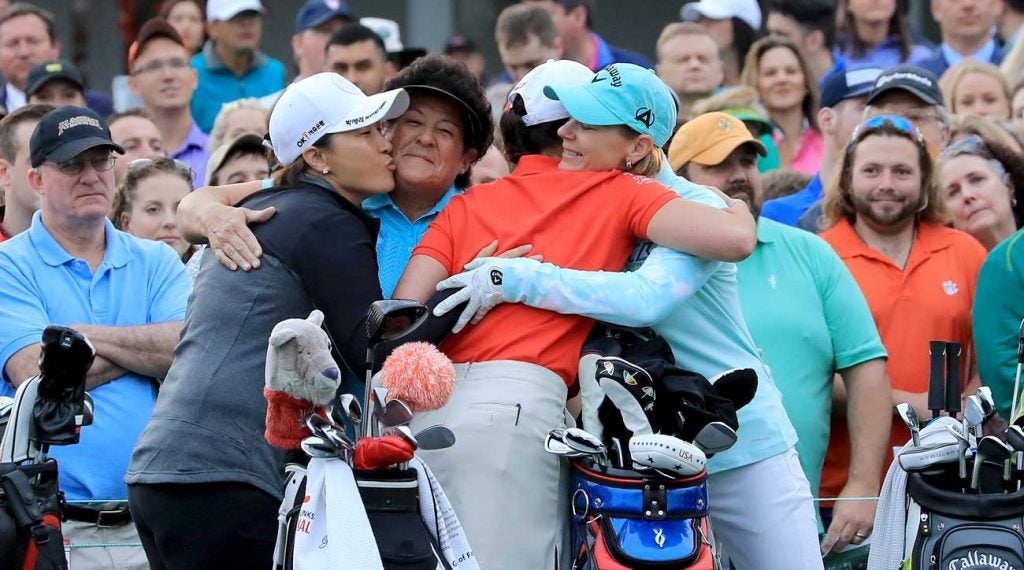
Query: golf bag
48, 409
951, 529
625, 520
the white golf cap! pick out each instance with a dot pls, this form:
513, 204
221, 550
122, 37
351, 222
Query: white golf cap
747, 10
540, 108
388, 31
323, 104
224, 10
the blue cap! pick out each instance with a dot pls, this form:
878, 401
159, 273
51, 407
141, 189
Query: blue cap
844, 84
621, 94
316, 12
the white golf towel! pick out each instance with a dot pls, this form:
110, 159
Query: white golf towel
441, 519
888, 539
333, 530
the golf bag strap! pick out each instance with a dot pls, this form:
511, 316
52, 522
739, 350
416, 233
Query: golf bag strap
296, 478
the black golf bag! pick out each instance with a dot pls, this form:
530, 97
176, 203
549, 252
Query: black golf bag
391, 500
951, 529
48, 409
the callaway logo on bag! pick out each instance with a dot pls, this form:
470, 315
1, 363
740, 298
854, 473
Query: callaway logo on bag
979, 560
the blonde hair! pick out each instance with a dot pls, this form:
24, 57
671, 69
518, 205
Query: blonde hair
751, 73
990, 131
220, 124
838, 203
953, 76
676, 29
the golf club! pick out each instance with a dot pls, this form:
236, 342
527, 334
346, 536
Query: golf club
985, 393
715, 437
1015, 438
915, 459
974, 414
953, 352
556, 446
963, 444
586, 442
909, 417
666, 453
388, 320
435, 437
989, 448
616, 451
936, 376
317, 448
394, 413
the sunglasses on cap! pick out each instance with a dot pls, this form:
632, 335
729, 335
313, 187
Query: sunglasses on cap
878, 122
139, 163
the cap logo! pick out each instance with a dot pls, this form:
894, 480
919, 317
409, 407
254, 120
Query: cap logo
77, 122
882, 80
332, 4
645, 116
613, 73
364, 118
308, 133
54, 67
724, 124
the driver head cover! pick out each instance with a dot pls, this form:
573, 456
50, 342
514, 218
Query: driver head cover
667, 453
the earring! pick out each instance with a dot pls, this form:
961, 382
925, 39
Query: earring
325, 170
629, 164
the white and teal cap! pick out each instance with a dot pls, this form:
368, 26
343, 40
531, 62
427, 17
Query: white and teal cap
621, 94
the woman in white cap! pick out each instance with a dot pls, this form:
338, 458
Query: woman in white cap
204, 484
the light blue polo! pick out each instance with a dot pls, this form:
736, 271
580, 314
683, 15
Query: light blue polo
693, 303
398, 236
809, 319
138, 282
219, 85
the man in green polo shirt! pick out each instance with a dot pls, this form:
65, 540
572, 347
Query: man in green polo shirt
998, 310
809, 319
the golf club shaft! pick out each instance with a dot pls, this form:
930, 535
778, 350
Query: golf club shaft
1014, 412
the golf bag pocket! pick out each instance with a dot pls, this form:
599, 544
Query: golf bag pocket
391, 500
956, 530
30, 512
624, 520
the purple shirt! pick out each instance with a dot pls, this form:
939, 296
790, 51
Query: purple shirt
885, 55
195, 153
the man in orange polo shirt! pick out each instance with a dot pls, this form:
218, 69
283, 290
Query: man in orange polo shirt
885, 216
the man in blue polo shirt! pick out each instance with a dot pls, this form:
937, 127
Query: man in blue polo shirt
231, 65
127, 295
844, 94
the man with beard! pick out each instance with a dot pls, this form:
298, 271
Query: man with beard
885, 216
795, 286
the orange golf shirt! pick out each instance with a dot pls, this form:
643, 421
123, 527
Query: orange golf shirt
580, 220
930, 299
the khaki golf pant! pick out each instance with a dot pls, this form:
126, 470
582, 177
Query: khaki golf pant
509, 494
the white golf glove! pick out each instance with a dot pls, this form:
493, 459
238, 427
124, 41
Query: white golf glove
480, 284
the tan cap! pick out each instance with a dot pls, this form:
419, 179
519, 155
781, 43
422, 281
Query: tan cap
220, 155
709, 139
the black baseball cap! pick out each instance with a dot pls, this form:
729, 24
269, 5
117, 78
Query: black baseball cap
44, 73
66, 132
913, 79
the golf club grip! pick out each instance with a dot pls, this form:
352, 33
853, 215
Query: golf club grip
434, 330
936, 375
953, 351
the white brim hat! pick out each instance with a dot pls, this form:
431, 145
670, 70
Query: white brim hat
323, 104
747, 10
540, 108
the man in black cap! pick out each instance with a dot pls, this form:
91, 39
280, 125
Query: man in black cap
56, 83
911, 92
71, 267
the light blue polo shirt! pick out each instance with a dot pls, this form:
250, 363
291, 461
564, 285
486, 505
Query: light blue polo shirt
809, 319
219, 85
694, 304
398, 236
138, 282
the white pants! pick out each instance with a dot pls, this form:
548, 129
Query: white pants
763, 514
510, 495
125, 552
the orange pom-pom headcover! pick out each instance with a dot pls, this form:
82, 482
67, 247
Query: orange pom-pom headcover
419, 375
